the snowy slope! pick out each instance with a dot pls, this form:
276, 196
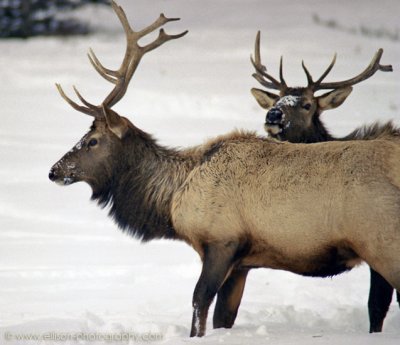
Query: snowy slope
63, 264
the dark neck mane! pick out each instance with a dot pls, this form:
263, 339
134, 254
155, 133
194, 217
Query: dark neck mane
318, 133
141, 189
321, 133
315, 134
372, 131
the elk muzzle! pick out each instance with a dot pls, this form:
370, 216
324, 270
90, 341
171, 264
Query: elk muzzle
275, 121
274, 116
55, 176
63, 173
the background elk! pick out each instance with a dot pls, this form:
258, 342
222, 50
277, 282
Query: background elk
241, 201
294, 115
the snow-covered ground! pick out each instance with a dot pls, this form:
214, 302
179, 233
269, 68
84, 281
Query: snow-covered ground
65, 267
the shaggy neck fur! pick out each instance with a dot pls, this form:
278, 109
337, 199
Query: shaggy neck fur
374, 131
318, 133
141, 188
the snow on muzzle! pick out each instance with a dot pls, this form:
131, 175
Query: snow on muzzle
65, 171
63, 174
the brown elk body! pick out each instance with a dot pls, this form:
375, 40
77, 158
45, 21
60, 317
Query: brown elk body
294, 116
239, 200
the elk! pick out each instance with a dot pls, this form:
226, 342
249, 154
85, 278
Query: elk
294, 115
240, 200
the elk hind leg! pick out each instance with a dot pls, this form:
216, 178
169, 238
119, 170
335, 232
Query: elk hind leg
387, 263
229, 298
380, 296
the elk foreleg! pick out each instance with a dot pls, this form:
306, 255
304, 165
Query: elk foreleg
229, 298
380, 296
217, 264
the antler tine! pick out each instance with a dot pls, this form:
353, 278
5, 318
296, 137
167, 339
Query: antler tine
106, 73
314, 85
257, 52
371, 69
308, 74
161, 39
263, 82
162, 19
84, 101
261, 71
119, 11
323, 76
283, 82
90, 109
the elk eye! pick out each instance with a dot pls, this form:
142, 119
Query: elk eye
92, 142
306, 106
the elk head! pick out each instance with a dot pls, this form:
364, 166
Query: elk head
98, 154
293, 114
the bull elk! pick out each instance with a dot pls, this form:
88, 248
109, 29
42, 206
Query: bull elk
294, 116
241, 201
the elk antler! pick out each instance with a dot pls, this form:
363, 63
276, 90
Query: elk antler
133, 54
261, 74
368, 72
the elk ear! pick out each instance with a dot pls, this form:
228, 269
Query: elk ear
115, 123
333, 98
264, 98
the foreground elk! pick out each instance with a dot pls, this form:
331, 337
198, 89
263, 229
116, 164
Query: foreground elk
239, 200
294, 115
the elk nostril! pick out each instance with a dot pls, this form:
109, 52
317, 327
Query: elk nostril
52, 175
274, 115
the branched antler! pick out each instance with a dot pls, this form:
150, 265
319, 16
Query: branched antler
133, 55
373, 67
270, 82
261, 74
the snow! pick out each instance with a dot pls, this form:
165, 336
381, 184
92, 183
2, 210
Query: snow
288, 101
65, 267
